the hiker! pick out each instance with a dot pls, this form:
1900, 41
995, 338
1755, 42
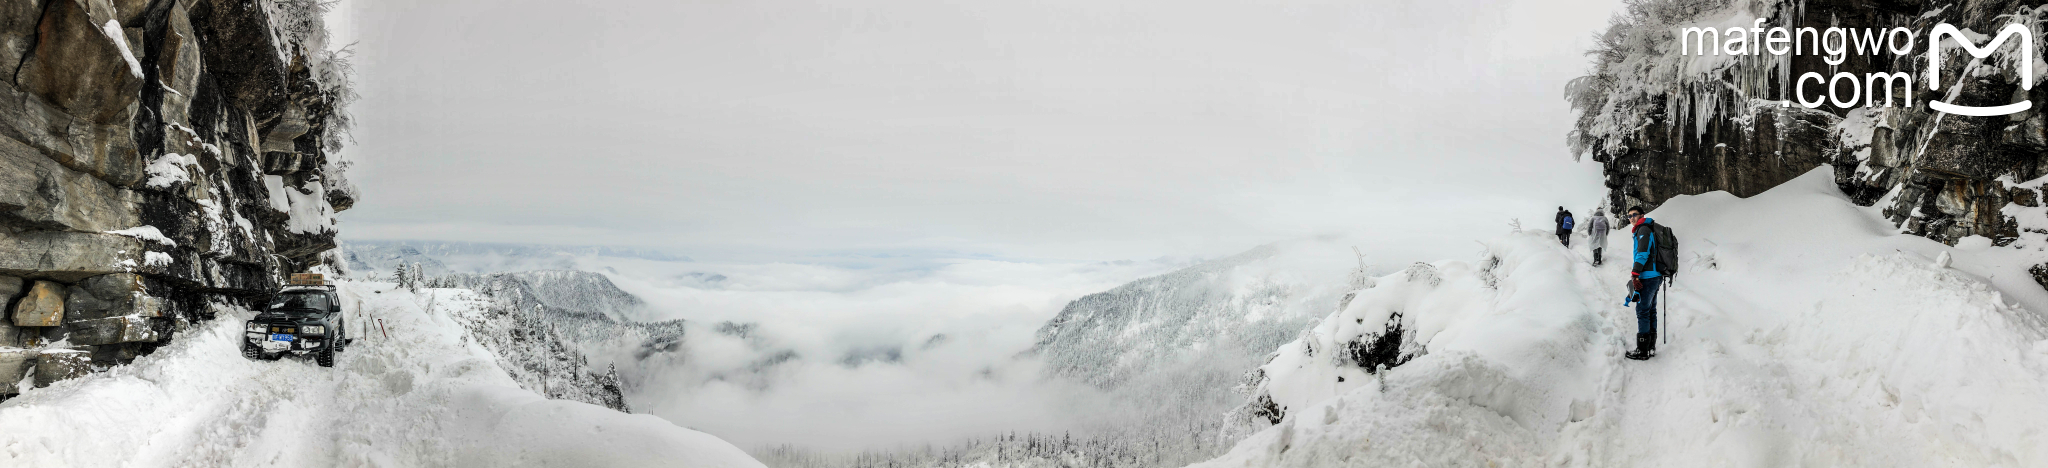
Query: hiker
1597, 229
1564, 226
1656, 256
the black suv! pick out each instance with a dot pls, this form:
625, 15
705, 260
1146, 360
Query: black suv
299, 320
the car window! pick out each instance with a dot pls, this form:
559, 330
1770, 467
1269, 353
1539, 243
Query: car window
315, 301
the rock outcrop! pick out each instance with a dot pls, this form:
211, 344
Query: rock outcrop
157, 156
1664, 125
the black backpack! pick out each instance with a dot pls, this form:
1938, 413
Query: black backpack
1665, 258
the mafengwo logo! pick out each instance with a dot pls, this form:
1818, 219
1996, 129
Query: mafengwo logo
1838, 43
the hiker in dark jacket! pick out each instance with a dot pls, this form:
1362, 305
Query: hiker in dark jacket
1596, 234
1643, 281
1564, 226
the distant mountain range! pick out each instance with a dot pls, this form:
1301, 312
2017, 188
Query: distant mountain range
438, 258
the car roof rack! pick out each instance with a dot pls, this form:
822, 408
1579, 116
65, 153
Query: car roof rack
299, 281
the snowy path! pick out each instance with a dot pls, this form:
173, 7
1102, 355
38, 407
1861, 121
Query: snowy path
426, 396
1803, 332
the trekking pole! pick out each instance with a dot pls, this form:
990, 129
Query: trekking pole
1666, 319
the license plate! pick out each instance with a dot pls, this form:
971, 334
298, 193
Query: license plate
280, 337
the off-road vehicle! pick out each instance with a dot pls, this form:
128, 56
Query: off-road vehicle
303, 318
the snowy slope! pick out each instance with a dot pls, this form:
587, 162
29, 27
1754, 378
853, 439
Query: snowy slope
1251, 300
1171, 350
1803, 332
427, 395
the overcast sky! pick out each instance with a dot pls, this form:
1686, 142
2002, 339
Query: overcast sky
1066, 129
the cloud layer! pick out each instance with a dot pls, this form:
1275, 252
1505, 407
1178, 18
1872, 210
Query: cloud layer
840, 359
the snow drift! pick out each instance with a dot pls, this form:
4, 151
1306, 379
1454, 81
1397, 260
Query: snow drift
1803, 330
415, 390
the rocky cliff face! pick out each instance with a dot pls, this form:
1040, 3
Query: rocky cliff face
1665, 125
157, 156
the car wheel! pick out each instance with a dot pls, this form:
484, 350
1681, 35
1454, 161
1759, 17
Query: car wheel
250, 351
325, 356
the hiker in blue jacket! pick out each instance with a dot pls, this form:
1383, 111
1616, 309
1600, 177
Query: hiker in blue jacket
1643, 281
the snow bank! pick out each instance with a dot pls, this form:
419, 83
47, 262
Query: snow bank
1510, 309
1802, 331
424, 396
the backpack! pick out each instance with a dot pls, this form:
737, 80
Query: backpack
1567, 223
1666, 254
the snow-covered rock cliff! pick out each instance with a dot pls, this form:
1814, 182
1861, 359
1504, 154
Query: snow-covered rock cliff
1665, 124
157, 157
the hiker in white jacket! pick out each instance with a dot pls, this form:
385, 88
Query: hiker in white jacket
1597, 229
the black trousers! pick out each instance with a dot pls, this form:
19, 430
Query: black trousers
1565, 237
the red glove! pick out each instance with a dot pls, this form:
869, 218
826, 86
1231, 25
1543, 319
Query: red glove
1635, 284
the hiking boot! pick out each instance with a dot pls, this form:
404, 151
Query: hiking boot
1646, 346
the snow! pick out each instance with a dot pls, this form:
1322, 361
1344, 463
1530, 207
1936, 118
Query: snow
308, 211
274, 186
169, 170
1816, 337
427, 396
156, 258
147, 233
113, 31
